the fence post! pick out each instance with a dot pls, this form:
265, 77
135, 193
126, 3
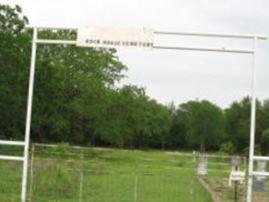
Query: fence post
81, 175
135, 187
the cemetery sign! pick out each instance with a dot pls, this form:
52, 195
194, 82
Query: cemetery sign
106, 37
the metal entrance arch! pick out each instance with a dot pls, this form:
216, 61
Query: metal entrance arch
252, 52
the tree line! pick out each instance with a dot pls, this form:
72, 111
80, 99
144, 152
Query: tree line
76, 101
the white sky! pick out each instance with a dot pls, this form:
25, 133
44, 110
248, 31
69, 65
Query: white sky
174, 75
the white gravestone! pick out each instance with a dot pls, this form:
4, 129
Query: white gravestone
261, 167
236, 175
202, 165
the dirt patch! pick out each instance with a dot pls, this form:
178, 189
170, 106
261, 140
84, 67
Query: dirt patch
260, 197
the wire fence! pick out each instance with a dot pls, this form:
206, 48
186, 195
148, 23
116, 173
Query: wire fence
64, 173
99, 185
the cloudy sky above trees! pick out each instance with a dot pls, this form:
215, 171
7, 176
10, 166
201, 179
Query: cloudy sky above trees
174, 75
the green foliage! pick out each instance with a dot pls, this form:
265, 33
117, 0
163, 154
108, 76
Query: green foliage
238, 122
73, 87
227, 148
178, 130
14, 58
205, 124
123, 118
265, 142
11, 19
132, 119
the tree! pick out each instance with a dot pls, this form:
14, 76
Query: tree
265, 142
263, 116
238, 123
159, 125
124, 117
205, 124
71, 83
11, 19
178, 129
14, 59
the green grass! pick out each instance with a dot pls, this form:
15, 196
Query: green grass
10, 181
110, 176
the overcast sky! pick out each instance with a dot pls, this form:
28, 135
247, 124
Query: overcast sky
174, 75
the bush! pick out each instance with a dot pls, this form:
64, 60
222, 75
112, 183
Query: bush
227, 148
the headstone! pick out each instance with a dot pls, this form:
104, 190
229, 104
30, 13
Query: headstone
261, 167
236, 175
202, 165
258, 186
235, 161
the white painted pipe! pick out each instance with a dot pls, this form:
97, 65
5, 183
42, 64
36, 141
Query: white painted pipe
11, 158
12, 143
253, 122
28, 117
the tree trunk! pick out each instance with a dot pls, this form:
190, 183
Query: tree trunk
202, 147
